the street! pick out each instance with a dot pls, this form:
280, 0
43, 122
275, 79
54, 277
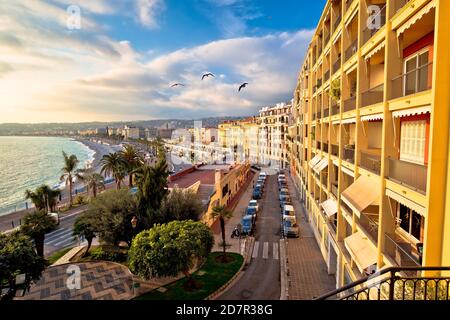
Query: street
261, 279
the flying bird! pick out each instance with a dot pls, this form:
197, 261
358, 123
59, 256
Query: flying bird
242, 86
209, 74
177, 84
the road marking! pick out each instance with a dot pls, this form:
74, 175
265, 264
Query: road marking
255, 249
275, 250
242, 247
266, 250
57, 231
72, 214
65, 242
63, 235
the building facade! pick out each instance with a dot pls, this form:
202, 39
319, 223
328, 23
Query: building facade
369, 135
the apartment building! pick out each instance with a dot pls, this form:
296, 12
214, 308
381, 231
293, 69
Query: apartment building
369, 135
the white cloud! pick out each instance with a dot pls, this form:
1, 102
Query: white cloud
149, 11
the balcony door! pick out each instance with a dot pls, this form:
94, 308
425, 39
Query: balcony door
416, 72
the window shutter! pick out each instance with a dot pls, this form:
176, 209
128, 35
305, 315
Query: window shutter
412, 141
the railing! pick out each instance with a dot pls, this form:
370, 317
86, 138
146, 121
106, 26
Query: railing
402, 252
334, 190
370, 225
409, 174
346, 207
414, 81
336, 65
337, 22
348, 3
372, 27
372, 96
326, 112
335, 109
393, 283
398, 4
326, 76
349, 155
370, 162
350, 104
335, 150
327, 39
351, 50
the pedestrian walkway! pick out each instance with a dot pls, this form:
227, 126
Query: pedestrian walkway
308, 275
266, 250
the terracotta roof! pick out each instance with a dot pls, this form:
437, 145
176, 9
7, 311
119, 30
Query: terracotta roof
204, 176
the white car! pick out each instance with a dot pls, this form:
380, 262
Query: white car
254, 204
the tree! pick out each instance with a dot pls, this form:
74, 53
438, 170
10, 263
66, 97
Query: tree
84, 226
132, 160
168, 249
93, 180
113, 165
181, 205
152, 189
43, 198
36, 225
17, 257
222, 213
69, 172
110, 215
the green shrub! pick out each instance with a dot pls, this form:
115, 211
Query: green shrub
108, 255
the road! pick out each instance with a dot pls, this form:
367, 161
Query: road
261, 279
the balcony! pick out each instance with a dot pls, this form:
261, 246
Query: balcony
412, 82
337, 65
335, 150
319, 115
351, 50
325, 147
314, 116
373, 96
327, 39
401, 251
399, 4
335, 109
319, 83
326, 76
334, 189
409, 174
371, 162
337, 22
349, 154
348, 3
369, 222
373, 28
350, 104
326, 112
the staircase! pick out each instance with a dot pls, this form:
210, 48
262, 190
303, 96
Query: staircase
397, 283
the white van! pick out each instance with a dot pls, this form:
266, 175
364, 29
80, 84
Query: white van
288, 211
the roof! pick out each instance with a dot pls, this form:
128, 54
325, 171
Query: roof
206, 177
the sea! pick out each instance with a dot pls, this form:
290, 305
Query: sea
28, 162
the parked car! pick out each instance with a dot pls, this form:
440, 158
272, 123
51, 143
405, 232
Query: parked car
290, 227
263, 175
284, 192
248, 224
257, 168
257, 194
251, 211
55, 217
285, 200
288, 211
259, 186
254, 204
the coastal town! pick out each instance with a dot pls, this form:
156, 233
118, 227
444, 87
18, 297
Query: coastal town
339, 192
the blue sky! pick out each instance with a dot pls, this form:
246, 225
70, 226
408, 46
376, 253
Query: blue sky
120, 64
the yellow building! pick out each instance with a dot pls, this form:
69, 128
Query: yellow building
369, 139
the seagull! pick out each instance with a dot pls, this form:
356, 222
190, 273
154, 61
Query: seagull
242, 86
207, 75
177, 84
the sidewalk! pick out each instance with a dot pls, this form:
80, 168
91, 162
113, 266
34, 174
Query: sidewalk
308, 275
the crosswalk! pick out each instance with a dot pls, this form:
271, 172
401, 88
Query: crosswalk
265, 250
60, 238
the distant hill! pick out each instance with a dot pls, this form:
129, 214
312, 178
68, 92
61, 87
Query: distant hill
8, 129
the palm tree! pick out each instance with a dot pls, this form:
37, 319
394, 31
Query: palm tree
222, 213
69, 172
36, 225
93, 180
132, 159
113, 165
43, 198
84, 227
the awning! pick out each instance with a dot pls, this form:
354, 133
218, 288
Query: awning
336, 122
365, 191
361, 250
314, 161
406, 202
411, 112
322, 164
372, 117
330, 207
348, 171
348, 121
375, 50
426, 9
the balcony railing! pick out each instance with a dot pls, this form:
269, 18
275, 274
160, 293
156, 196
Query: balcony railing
335, 150
351, 50
348, 3
319, 83
334, 189
398, 4
335, 109
325, 147
327, 39
373, 27
349, 154
337, 22
414, 81
326, 112
371, 162
350, 104
409, 174
326, 76
403, 253
370, 224
337, 65
372, 96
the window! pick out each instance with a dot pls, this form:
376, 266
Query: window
412, 141
411, 222
416, 72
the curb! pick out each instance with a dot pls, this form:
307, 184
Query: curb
284, 272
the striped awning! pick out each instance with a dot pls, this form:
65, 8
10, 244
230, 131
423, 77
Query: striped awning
314, 161
351, 173
362, 251
406, 202
426, 9
364, 192
372, 117
322, 164
330, 207
375, 50
411, 112
348, 121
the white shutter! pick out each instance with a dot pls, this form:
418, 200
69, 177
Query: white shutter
412, 141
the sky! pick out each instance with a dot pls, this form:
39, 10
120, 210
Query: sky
115, 60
